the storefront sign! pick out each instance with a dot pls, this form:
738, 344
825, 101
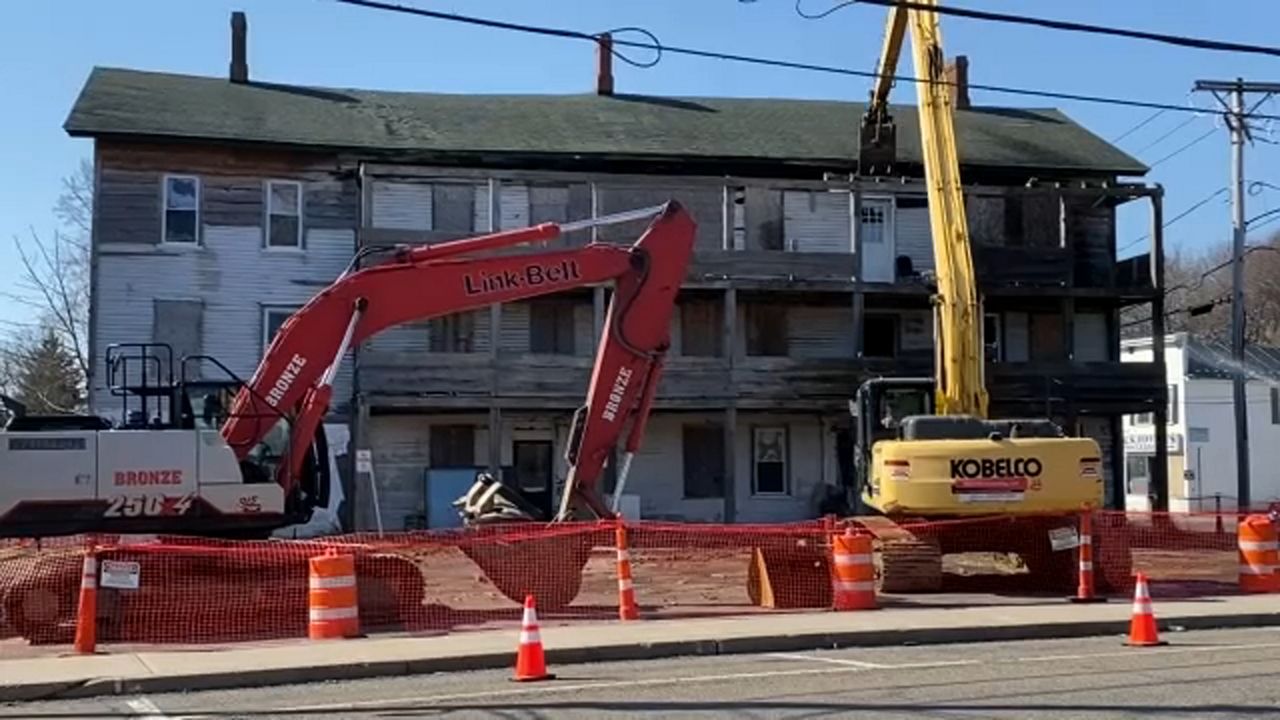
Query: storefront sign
1144, 442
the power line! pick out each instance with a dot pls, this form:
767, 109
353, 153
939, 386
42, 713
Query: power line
1139, 126
1165, 136
1184, 148
1181, 40
1175, 219
768, 62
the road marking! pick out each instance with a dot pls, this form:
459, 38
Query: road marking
871, 665
839, 667
833, 661
1167, 650
145, 709
549, 689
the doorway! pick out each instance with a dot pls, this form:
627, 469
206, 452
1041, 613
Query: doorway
533, 470
875, 228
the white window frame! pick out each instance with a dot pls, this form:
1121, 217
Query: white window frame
267, 311
786, 460
164, 209
267, 210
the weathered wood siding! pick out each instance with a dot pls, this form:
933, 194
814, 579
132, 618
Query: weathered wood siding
705, 204
222, 285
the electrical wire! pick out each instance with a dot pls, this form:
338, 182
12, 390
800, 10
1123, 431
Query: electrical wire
1175, 219
1184, 148
771, 62
1180, 40
1167, 134
1139, 126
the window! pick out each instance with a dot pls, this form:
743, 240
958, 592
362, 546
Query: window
701, 328
873, 217
703, 455
453, 446
1275, 406
991, 337
551, 327
1173, 405
181, 221
272, 319
879, 335
454, 333
769, 466
766, 329
284, 214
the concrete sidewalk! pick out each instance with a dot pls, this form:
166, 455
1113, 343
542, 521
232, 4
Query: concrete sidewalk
305, 661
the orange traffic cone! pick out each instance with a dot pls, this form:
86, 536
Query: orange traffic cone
530, 662
1142, 626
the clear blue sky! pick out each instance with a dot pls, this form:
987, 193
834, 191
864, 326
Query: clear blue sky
48, 47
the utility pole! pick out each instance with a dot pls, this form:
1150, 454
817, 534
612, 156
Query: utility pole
1237, 122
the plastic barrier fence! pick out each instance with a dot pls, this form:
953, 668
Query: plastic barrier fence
168, 589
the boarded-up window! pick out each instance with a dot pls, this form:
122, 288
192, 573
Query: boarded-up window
701, 328
769, 453
454, 333
181, 208
178, 324
284, 214
766, 329
879, 336
453, 446
551, 327
1046, 337
453, 208
703, 459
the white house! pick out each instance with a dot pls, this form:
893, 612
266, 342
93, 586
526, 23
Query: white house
1201, 433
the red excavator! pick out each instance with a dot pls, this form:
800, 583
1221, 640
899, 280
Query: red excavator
235, 458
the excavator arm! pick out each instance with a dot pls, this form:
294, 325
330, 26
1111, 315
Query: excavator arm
294, 381
960, 388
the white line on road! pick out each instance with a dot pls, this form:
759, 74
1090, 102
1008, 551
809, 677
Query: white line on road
839, 667
1175, 649
549, 689
833, 661
145, 709
870, 665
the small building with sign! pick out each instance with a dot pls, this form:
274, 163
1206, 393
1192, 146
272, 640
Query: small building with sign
1201, 426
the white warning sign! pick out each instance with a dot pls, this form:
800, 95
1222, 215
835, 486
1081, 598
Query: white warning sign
1063, 538
120, 574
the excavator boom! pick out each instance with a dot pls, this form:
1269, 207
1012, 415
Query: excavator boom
960, 387
294, 381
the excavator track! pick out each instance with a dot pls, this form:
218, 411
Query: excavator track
904, 561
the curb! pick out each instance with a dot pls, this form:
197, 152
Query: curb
95, 687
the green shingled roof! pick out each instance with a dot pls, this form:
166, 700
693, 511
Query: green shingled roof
131, 102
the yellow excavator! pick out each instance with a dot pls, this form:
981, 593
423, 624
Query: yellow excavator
925, 448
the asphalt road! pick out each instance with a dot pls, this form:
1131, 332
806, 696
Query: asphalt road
1209, 674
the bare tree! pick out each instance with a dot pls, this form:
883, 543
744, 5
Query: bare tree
55, 271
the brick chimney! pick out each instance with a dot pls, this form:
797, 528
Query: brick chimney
958, 73
604, 65
239, 52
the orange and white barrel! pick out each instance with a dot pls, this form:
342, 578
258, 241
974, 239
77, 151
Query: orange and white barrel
332, 599
1256, 537
853, 574
627, 608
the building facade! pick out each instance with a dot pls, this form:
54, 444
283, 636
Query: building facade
224, 203
1201, 427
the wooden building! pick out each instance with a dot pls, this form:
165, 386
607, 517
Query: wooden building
223, 203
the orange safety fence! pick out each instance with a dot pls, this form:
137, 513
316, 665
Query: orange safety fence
188, 590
